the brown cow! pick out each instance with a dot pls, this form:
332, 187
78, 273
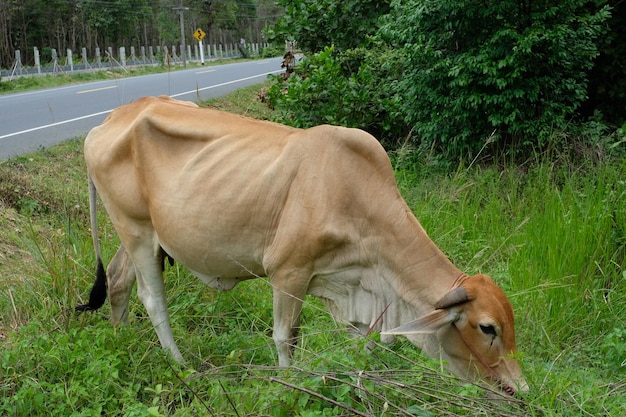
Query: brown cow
316, 210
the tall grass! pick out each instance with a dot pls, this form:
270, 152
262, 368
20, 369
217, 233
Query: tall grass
552, 235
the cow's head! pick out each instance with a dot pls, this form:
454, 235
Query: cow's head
474, 326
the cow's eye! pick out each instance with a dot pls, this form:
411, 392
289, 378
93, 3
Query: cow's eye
488, 329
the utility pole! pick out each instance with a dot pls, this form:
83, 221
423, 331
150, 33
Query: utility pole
180, 10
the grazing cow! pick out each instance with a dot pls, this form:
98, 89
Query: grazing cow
316, 210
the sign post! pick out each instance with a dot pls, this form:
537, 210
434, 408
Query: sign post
199, 35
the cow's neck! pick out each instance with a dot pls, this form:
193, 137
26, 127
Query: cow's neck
415, 269
398, 277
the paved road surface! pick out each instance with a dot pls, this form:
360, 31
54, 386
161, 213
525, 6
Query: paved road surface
38, 119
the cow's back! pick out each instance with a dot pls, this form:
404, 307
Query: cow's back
226, 194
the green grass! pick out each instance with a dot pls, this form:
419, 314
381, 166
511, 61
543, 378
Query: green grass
554, 237
552, 234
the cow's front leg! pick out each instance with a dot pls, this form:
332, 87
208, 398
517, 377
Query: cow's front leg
287, 309
151, 291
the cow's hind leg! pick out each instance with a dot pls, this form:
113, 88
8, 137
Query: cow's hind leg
151, 291
287, 309
121, 277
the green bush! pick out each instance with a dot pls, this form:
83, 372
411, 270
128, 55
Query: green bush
346, 89
510, 71
272, 51
315, 24
614, 348
458, 77
607, 79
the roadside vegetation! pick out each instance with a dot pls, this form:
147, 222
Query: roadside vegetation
550, 230
459, 79
506, 127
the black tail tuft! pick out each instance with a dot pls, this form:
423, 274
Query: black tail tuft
98, 293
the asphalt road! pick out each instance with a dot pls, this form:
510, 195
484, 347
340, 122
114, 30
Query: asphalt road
38, 119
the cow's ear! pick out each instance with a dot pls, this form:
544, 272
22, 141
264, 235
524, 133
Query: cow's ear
429, 323
453, 297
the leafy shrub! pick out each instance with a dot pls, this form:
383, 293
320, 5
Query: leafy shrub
607, 80
272, 51
457, 76
315, 24
38, 374
352, 89
614, 348
510, 70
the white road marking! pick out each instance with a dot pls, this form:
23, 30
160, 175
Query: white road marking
67, 87
54, 124
96, 89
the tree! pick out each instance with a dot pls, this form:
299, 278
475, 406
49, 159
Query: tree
73, 24
607, 79
457, 75
512, 71
315, 24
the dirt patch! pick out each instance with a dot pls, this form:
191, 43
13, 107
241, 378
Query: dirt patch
13, 254
19, 192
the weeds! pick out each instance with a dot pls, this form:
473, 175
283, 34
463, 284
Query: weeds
553, 236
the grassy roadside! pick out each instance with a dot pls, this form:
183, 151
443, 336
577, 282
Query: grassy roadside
552, 234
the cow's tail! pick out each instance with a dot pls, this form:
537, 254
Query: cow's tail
98, 293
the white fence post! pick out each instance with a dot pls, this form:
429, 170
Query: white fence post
85, 60
199, 51
166, 56
37, 60
174, 56
110, 51
98, 58
55, 61
123, 56
17, 65
69, 60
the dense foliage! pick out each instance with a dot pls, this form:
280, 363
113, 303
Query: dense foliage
73, 24
344, 89
315, 24
491, 71
607, 83
460, 77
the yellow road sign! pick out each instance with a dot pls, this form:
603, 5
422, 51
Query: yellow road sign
199, 34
